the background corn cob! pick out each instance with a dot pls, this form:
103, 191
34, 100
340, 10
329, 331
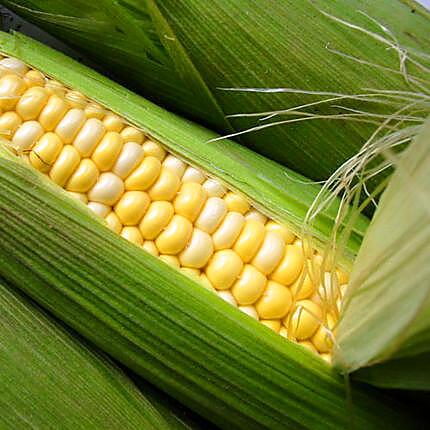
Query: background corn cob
149, 315
181, 54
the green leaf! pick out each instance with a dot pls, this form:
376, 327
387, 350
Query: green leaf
51, 379
208, 45
387, 309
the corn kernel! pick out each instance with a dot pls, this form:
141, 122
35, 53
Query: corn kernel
175, 236
9, 123
250, 311
132, 234
270, 253
308, 345
227, 297
113, 122
132, 206
236, 203
130, 157
46, 151
229, 230
79, 196
249, 240
197, 253
84, 177
11, 88
286, 234
250, 285
275, 301
108, 189
170, 259
323, 337
34, 78
99, 208
89, 136
94, 110
27, 135
113, 222
131, 134
192, 174
223, 269
206, 283
145, 175
53, 112
274, 325
153, 149
156, 219
149, 246
214, 188
304, 320
303, 288
175, 165
56, 88
190, 200
69, 126
66, 163
212, 214
107, 150
31, 103
166, 186
76, 99
290, 266
256, 216
10, 65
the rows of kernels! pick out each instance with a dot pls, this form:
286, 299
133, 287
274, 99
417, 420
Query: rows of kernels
171, 209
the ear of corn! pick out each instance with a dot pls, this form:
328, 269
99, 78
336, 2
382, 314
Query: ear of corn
147, 314
396, 326
49, 379
182, 52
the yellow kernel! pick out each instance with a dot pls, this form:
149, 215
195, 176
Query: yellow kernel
131, 134
304, 320
236, 203
56, 88
132, 206
9, 123
190, 200
108, 189
89, 136
145, 175
308, 345
27, 135
175, 236
227, 297
156, 219
113, 122
11, 65
130, 157
107, 150
214, 188
170, 259
326, 357
79, 196
290, 266
206, 283
192, 174
149, 246
212, 214
94, 110
286, 234
198, 251
66, 163
249, 240
192, 273
11, 88
284, 333
99, 209
45, 152
250, 285
31, 103
69, 126
275, 301
175, 165
270, 253
34, 78
113, 222
250, 311
166, 186
132, 234
256, 215
303, 287
323, 337
76, 99
274, 325
223, 269
53, 112
343, 277
84, 177
153, 149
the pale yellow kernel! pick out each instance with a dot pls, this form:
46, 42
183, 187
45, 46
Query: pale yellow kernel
170, 259
270, 253
94, 110
99, 209
132, 234
275, 302
305, 246
303, 288
45, 152
132, 134
236, 203
113, 122
130, 157
89, 136
189, 200
79, 196
68, 127
212, 214
286, 234
11, 88
84, 177
175, 165
326, 357
274, 325
31, 103
27, 135
198, 251
305, 319
249, 240
214, 188
250, 311
76, 99
11, 65
206, 283
308, 345
156, 219
229, 230
57, 88
153, 149
149, 246
323, 337
224, 268
192, 174
34, 78
290, 266
284, 333
53, 112
166, 186
132, 206
256, 215
227, 297
145, 175
249, 286
108, 189
66, 163
193, 273
9, 123
107, 151
113, 222
175, 236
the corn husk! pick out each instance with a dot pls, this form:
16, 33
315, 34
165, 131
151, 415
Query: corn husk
51, 379
388, 302
149, 316
181, 53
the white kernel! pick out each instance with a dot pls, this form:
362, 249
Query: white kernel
193, 175
227, 297
212, 214
27, 135
249, 310
107, 190
174, 164
130, 157
214, 188
99, 209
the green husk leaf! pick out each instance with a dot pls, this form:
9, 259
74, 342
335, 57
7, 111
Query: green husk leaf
250, 44
51, 379
164, 326
388, 303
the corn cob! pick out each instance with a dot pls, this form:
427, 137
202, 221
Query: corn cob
169, 208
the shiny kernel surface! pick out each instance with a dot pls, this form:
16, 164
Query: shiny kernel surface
190, 200
132, 206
